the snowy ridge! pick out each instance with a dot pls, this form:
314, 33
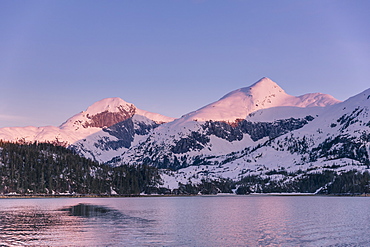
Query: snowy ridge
261, 95
100, 115
115, 106
156, 117
108, 104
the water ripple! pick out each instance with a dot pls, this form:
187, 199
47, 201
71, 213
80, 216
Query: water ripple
186, 221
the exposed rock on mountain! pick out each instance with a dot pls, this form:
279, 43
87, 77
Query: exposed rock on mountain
107, 119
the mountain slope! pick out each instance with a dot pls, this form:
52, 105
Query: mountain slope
99, 122
337, 140
227, 126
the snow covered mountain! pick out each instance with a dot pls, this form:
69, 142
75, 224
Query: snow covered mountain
258, 131
104, 120
263, 94
337, 140
242, 118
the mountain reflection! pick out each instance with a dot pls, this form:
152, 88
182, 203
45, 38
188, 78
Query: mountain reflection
102, 213
77, 225
88, 210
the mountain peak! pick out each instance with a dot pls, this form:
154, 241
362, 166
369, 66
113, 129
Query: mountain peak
265, 82
263, 94
264, 87
109, 105
109, 111
103, 113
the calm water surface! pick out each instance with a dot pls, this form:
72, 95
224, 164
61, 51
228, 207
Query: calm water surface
186, 221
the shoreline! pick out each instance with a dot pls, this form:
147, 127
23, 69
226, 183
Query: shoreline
40, 196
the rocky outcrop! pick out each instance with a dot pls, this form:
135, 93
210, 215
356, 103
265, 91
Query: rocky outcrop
260, 130
195, 141
119, 136
107, 119
124, 131
235, 132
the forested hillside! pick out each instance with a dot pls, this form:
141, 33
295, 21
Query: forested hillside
46, 169
42, 168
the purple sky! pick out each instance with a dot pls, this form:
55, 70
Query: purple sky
173, 56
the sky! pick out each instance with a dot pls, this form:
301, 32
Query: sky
57, 57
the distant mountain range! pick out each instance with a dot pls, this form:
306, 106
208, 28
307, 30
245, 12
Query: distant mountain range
256, 131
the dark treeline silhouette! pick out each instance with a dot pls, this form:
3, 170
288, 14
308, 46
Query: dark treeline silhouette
44, 168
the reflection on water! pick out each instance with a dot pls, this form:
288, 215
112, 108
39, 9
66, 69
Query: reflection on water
186, 221
82, 224
103, 212
29, 226
87, 210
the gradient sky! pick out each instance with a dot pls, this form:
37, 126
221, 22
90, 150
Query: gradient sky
173, 56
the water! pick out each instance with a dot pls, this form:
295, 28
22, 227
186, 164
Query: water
186, 221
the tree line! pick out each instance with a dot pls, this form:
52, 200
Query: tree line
44, 168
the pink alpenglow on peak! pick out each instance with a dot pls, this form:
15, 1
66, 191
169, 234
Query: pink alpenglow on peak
98, 116
263, 94
109, 104
109, 111
117, 105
